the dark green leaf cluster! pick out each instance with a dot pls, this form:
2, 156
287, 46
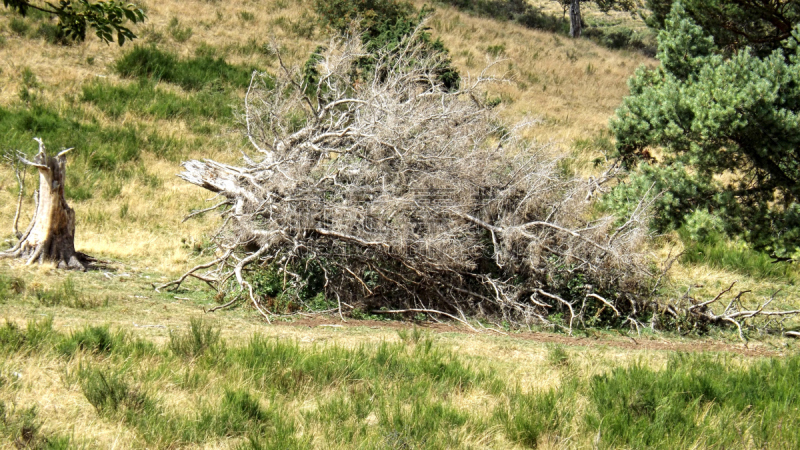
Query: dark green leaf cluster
74, 17
729, 130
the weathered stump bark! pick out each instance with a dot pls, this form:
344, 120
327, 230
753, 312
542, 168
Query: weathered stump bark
575, 19
51, 235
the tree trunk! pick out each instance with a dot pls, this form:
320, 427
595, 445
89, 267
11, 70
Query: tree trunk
575, 19
51, 235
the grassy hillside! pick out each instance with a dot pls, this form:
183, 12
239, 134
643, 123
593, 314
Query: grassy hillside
139, 130
329, 386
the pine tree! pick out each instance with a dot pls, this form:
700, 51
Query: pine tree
727, 130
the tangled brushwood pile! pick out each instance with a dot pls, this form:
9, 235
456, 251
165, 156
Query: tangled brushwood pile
378, 187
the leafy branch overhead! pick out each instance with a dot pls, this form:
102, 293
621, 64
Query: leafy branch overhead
106, 18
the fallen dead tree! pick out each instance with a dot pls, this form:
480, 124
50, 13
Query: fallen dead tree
381, 189
692, 314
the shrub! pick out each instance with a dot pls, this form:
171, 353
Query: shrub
384, 24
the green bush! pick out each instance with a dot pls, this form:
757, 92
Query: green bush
383, 24
373, 14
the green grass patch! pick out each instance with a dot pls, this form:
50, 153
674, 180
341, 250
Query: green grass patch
716, 251
407, 394
98, 150
67, 294
10, 287
698, 401
145, 99
529, 416
199, 72
290, 368
37, 335
22, 428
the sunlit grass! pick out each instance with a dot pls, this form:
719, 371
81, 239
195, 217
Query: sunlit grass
276, 392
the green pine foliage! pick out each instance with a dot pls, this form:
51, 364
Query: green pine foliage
728, 130
762, 25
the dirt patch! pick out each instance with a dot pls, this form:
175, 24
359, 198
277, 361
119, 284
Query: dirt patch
753, 349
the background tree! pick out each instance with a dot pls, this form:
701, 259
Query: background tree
574, 9
74, 17
728, 125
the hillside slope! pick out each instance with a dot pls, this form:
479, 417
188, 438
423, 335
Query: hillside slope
573, 86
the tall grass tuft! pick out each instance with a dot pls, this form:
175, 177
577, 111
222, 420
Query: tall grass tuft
108, 392
22, 428
90, 339
530, 415
10, 287
36, 336
196, 341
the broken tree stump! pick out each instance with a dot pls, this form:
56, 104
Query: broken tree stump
50, 237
